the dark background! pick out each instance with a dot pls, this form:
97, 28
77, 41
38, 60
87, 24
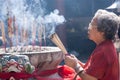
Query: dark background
78, 14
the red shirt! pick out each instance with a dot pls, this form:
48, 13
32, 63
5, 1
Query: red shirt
103, 62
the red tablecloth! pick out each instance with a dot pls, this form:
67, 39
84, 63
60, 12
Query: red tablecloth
65, 72
17, 76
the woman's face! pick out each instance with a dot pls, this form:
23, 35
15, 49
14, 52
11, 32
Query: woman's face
93, 33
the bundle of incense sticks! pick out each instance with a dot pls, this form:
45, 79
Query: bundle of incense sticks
33, 33
55, 39
3, 31
40, 33
3, 34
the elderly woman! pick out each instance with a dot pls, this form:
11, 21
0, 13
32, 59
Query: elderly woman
103, 62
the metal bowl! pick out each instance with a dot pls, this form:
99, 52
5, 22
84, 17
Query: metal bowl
42, 58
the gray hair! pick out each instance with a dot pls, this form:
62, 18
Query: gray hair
107, 22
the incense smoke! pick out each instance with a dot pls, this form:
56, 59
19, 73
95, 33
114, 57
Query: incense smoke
30, 23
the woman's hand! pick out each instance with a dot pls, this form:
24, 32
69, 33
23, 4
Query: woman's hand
71, 61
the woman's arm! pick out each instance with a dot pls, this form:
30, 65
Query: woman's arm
84, 76
71, 61
81, 63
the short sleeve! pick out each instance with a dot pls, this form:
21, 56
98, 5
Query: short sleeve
97, 65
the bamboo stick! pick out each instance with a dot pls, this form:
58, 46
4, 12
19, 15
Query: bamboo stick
55, 39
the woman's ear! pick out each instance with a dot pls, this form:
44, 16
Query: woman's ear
102, 34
